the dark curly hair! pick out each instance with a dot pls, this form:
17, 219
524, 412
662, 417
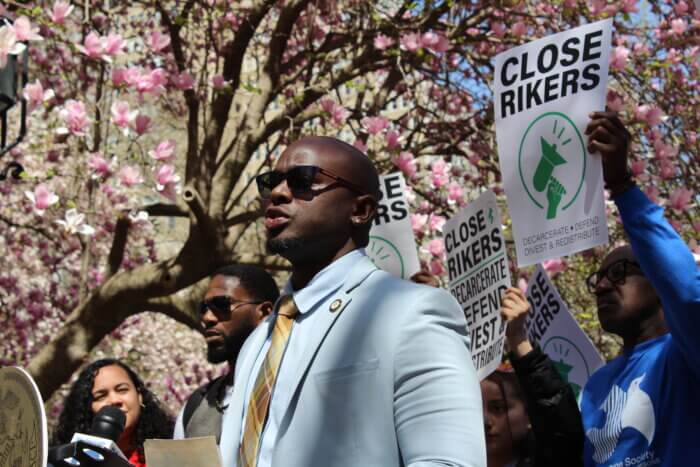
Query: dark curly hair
154, 421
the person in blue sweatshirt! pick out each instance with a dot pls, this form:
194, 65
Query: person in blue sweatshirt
643, 408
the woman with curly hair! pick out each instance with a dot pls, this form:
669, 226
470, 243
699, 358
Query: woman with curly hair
111, 382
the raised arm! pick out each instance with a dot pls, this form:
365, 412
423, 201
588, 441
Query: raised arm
663, 256
551, 404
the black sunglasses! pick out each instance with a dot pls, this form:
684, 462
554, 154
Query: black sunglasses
300, 180
222, 305
615, 273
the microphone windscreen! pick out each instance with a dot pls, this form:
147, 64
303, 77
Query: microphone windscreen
108, 423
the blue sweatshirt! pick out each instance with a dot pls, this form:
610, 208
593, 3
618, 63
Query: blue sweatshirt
643, 408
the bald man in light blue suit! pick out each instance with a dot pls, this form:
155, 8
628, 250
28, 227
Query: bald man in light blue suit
376, 370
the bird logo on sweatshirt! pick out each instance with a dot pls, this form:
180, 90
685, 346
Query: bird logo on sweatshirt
631, 409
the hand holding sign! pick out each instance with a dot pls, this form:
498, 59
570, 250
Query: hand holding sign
608, 136
514, 311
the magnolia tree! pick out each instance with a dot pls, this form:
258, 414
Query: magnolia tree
145, 112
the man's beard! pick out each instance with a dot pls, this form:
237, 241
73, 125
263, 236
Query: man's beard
227, 350
286, 246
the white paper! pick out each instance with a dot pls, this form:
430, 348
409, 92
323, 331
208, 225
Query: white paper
477, 265
551, 325
544, 92
189, 452
392, 246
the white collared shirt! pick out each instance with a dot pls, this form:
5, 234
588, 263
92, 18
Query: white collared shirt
319, 289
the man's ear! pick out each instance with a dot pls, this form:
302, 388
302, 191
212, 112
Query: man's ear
263, 310
364, 210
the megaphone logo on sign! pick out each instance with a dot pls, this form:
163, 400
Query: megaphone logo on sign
552, 162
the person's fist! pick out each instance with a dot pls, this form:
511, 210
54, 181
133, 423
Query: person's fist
608, 136
514, 310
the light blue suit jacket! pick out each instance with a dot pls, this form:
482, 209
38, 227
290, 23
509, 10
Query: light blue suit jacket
387, 380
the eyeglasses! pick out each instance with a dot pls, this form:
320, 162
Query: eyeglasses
300, 180
222, 305
615, 273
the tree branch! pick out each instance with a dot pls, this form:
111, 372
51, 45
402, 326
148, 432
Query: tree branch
116, 252
164, 210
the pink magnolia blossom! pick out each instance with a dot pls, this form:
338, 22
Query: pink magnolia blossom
75, 118
681, 8
614, 101
360, 145
439, 167
498, 29
638, 167
650, 114
165, 175
233, 20
130, 176
42, 198
436, 247
142, 124
522, 285
60, 11
92, 46
327, 104
382, 42
151, 82
24, 30
410, 42
437, 267
652, 193
119, 76
418, 222
375, 125
666, 169
454, 192
680, 199
406, 163
113, 45
99, 164
157, 41
218, 81
434, 41
554, 266
122, 115
164, 151
619, 57
597, 7
339, 115
436, 222
519, 29
392, 140
36, 95
629, 6
8, 44
183, 81
664, 151
678, 26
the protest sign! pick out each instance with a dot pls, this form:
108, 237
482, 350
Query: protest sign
544, 92
477, 265
392, 245
551, 325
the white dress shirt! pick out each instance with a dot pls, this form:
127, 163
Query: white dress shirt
323, 285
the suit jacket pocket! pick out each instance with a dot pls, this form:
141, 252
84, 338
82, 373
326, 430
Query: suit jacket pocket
347, 371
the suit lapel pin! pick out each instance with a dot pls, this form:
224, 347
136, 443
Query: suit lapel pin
335, 305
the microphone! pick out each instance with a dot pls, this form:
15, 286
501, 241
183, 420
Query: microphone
98, 446
108, 423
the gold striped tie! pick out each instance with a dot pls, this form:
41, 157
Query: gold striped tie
259, 403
